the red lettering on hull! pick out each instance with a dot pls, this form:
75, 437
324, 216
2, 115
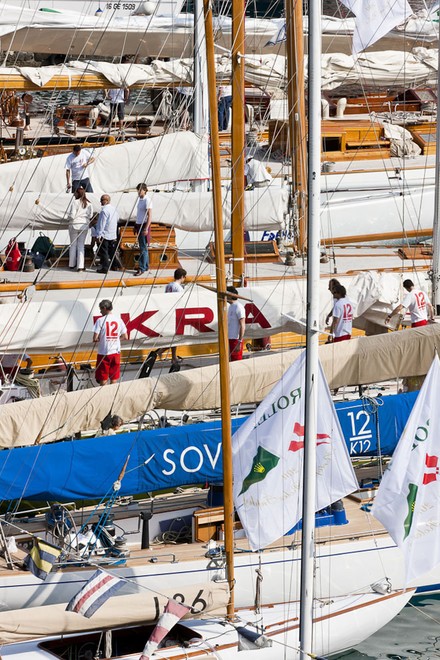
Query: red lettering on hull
194, 317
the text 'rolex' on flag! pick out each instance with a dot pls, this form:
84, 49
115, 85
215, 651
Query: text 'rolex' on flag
97, 590
268, 453
375, 18
172, 613
41, 558
408, 500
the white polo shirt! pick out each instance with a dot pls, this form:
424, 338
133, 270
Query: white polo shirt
77, 164
174, 287
415, 303
236, 312
143, 205
343, 311
110, 328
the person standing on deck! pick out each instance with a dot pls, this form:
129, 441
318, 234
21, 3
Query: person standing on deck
106, 234
331, 284
77, 174
236, 325
418, 305
108, 331
224, 101
342, 323
176, 286
80, 213
118, 99
142, 227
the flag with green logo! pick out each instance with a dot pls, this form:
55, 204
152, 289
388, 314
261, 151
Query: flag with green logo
408, 500
268, 459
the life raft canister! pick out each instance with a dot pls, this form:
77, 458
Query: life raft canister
13, 256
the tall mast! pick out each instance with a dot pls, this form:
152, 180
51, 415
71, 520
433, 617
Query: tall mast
200, 74
238, 129
297, 112
221, 305
436, 226
312, 365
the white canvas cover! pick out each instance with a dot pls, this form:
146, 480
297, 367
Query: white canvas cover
135, 609
189, 210
359, 361
392, 68
117, 167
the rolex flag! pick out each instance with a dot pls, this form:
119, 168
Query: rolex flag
408, 500
375, 18
268, 455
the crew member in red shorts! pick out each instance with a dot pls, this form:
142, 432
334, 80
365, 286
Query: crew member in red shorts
108, 331
418, 305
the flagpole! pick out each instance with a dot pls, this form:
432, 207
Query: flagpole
312, 330
435, 272
220, 269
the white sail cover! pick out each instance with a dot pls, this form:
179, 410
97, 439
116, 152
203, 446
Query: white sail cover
267, 71
117, 167
359, 361
135, 609
23, 29
265, 208
155, 319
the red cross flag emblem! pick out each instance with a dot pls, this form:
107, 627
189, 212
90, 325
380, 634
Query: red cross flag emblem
431, 463
298, 429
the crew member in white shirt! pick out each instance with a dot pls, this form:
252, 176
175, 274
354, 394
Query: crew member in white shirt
418, 305
108, 331
256, 174
224, 101
342, 323
118, 99
77, 174
106, 234
176, 286
79, 214
236, 325
142, 227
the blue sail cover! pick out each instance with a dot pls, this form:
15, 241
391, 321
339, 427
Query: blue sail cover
170, 457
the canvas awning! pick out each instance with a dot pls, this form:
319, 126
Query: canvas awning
133, 609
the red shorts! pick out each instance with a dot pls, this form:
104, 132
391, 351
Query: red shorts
235, 349
418, 324
343, 338
108, 366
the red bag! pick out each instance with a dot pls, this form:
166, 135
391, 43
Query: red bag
13, 256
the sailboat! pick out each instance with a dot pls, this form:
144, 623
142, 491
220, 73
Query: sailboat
335, 628
129, 568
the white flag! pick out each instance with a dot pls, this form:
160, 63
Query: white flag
408, 500
375, 18
268, 455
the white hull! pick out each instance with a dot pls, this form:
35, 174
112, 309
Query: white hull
339, 624
345, 567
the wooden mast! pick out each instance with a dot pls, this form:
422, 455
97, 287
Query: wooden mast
297, 114
221, 305
238, 141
